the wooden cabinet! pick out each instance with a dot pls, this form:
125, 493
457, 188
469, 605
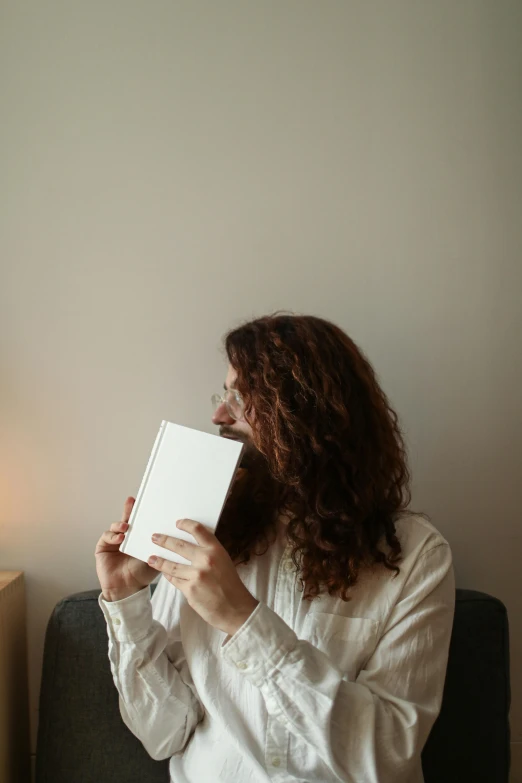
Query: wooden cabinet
14, 698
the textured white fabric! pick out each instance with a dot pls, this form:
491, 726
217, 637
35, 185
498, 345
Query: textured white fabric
309, 691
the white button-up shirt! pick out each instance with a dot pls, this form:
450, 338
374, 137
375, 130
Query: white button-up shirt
308, 691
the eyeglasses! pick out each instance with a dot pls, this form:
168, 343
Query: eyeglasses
233, 401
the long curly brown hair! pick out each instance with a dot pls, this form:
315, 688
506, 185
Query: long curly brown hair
334, 456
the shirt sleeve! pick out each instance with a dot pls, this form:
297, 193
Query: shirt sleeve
157, 697
374, 727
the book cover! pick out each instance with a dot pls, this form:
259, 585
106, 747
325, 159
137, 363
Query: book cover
188, 476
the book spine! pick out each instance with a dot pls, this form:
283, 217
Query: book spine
144, 481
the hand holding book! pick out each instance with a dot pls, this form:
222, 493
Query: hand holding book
120, 575
188, 475
210, 582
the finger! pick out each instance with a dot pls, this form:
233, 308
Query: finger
201, 533
119, 527
112, 537
179, 570
127, 509
181, 584
185, 548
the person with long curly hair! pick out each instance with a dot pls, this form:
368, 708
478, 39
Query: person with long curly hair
308, 638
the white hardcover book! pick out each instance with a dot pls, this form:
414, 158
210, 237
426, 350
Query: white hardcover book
188, 476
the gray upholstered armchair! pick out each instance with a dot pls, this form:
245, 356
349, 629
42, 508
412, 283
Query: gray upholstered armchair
82, 738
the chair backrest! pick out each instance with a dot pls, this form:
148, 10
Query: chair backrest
82, 738
81, 735
470, 738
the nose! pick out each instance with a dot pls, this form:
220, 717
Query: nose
222, 416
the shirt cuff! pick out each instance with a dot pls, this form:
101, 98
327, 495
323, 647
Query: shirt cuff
259, 646
130, 619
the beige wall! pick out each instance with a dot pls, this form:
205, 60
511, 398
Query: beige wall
170, 168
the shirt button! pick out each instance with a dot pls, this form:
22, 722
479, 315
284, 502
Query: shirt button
116, 621
241, 665
276, 761
289, 566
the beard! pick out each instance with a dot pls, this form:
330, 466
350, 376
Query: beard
251, 458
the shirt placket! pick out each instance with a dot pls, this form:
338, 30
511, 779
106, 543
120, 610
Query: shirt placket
277, 735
